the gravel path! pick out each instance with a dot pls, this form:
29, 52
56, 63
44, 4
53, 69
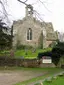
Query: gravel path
12, 77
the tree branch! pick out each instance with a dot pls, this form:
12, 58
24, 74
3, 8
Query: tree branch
26, 1
22, 2
44, 5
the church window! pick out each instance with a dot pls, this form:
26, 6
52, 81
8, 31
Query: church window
29, 34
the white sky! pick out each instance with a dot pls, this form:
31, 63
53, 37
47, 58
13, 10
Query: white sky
55, 15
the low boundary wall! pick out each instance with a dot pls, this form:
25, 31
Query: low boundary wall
4, 61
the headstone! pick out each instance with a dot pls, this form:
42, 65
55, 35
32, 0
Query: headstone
11, 53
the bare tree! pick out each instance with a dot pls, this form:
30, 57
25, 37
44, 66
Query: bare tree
5, 38
3, 13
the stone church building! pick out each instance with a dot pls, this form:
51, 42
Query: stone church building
32, 32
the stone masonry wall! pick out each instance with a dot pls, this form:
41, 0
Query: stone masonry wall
22, 32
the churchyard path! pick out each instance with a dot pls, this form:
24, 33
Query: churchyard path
12, 77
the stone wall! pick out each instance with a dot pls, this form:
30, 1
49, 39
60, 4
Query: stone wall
48, 43
21, 32
23, 62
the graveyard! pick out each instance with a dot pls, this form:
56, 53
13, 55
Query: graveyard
30, 67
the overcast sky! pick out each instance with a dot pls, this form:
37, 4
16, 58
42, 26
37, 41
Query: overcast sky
53, 11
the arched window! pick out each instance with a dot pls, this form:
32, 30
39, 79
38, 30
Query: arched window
29, 34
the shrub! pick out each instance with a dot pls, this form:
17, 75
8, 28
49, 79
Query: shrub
40, 55
57, 52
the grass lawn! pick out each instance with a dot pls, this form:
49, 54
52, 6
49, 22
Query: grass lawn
30, 54
51, 72
58, 81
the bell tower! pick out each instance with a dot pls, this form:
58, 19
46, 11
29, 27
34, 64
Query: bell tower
29, 10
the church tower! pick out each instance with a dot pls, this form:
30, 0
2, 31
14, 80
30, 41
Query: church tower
29, 11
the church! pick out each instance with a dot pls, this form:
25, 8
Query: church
32, 32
